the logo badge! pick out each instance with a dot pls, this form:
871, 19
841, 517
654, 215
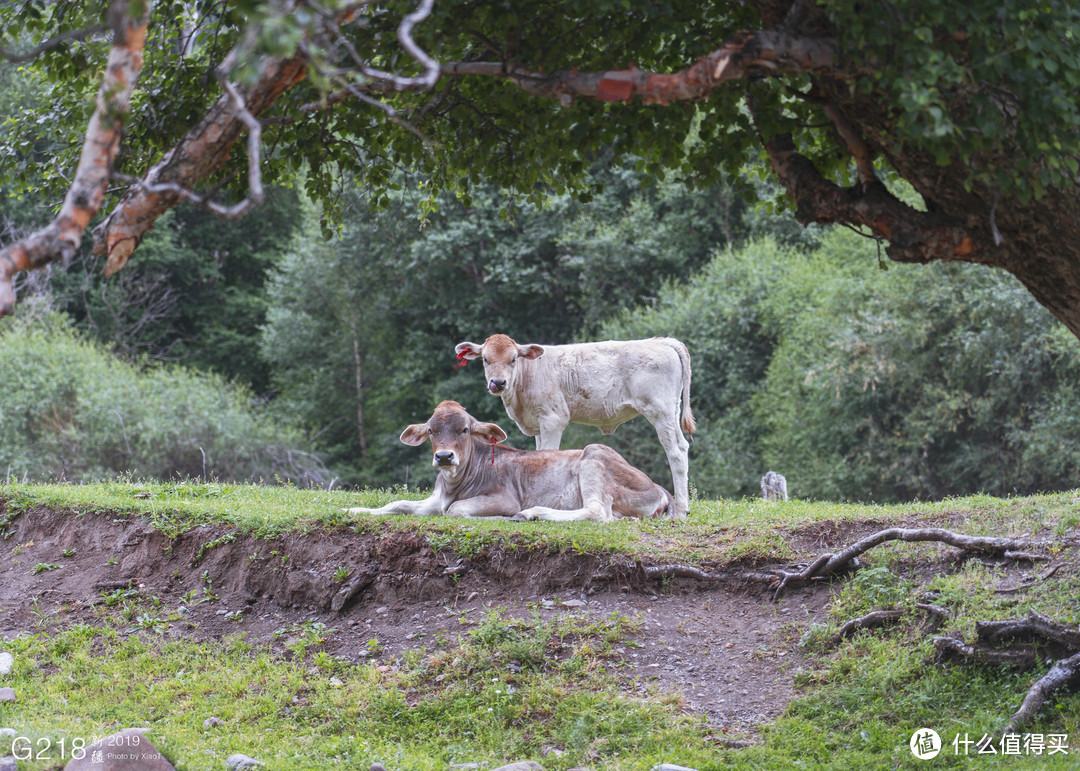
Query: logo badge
925, 744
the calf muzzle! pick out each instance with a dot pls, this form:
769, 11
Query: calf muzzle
444, 458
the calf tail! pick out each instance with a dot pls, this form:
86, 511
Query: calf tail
689, 425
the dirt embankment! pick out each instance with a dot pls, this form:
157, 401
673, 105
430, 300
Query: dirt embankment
727, 648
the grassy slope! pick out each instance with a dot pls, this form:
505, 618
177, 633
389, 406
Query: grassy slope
456, 701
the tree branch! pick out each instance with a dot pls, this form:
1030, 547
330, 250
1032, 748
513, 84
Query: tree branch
206, 147
54, 42
913, 236
59, 240
202, 151
771, 52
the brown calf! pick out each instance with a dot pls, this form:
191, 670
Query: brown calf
478, 477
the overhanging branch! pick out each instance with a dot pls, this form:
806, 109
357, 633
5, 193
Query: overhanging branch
771, 52
59, 240
913, 235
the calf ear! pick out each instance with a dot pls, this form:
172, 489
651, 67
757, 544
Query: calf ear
416, 434
532, 351
489, 432
467, 350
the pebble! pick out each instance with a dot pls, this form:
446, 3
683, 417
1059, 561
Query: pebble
671, 767
7, 694
7, 661
211, 722
241, 761
521, 765
9, 764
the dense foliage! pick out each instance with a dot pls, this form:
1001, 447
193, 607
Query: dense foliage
80, 413
916, 382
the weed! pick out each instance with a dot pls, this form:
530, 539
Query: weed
42, 567
201, 553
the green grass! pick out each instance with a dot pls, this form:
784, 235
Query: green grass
455, 701
459, 700
716, 531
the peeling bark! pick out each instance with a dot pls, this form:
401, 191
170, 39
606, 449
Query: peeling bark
59, 240
772, 52
202, 151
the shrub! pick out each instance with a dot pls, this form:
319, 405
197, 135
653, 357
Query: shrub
72, 411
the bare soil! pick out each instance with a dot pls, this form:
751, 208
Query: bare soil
726, 649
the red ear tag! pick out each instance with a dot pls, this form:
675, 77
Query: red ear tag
461, 360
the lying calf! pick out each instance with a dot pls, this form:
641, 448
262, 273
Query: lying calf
480, 478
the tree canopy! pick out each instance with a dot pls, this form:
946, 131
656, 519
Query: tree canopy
971, 103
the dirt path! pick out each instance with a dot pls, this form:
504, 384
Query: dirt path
728, 651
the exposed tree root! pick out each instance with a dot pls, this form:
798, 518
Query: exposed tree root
1019, 658
871, 620
876, 618
831, 564
1034, 626
637, 574
1066, 673
1032, 629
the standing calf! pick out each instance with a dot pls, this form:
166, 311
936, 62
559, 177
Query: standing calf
480, 478
544, 388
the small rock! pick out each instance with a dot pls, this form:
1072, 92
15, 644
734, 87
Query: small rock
671, 767
212, 722
7, 661
9, 764
8, 732
7, 694
521, 765
551, 750
573, 603
241, 761
377, 767
383, 609
337, 682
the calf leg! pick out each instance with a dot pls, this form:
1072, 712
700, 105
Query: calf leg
427, 507
484, 506
593, 484
551, 431
677, 450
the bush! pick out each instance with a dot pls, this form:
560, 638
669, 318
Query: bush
72, 411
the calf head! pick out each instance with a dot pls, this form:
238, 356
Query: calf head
452, 432
500, 354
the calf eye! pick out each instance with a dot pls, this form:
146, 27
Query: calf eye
464, 430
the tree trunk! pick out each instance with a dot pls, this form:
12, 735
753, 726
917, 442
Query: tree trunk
359, 391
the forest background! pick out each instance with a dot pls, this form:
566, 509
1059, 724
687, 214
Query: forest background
289, 347
261, 350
